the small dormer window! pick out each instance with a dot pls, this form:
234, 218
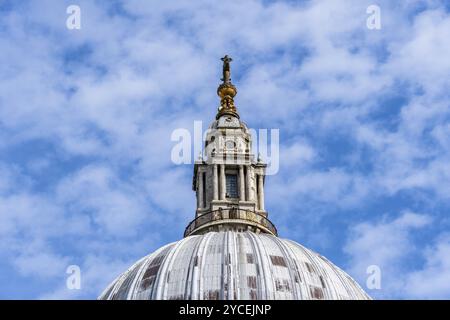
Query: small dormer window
232, 190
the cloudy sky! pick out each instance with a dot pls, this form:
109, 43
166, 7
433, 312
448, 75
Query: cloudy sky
86, 116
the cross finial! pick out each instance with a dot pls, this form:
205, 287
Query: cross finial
226, 69
226, 91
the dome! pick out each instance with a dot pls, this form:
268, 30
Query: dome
233, 265
231, 250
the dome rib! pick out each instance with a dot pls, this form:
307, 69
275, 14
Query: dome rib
290, 262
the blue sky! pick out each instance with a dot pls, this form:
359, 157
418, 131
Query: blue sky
86, 117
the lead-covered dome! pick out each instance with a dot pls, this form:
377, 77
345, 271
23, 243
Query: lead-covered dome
230, 249
234, 266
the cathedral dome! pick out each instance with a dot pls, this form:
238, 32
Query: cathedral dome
234, 265
231, 249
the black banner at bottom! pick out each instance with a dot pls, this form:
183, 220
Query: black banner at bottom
226, 309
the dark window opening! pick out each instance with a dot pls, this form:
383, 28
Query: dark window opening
282, 285
257, 191
251, 282
316, 293
204, 189
322, 282
211, 295
122, 293
150, 274
278, 261
309, 267
232, 188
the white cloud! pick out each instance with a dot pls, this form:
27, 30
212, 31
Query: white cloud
297, 155
91, 212
41, 264
95, 274
386, 244
112, 93
433, 280
112, 204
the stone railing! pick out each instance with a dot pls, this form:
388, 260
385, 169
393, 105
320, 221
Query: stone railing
232, 215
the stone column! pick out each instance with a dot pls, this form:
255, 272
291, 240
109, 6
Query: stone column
261, 192
248, 185
200, 191
241, 183
223, 186
215, 183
